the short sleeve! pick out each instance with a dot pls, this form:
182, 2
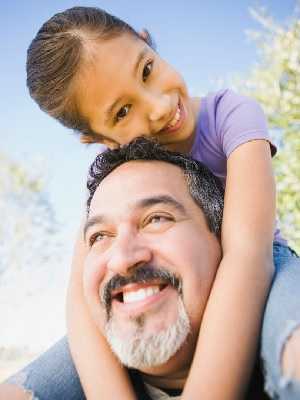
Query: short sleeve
240, 119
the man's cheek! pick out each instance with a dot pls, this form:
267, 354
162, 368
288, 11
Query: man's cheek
93, 276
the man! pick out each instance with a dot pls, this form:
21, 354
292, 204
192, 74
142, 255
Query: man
152, 258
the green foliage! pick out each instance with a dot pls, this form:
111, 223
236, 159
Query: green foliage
17, 178
275, 83
28, 230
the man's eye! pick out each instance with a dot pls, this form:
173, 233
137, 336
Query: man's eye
158, 219
147, 70
122, 113
98, 237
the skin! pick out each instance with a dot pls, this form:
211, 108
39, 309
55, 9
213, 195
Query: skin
249, 218
13, 392
124, 233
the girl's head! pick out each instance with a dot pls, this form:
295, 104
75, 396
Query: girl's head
98, 76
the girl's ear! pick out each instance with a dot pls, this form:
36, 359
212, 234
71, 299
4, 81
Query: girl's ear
145, 35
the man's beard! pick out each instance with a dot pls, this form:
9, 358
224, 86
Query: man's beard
140, 351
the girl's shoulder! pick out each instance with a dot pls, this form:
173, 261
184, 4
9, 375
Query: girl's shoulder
228, 119
222, 104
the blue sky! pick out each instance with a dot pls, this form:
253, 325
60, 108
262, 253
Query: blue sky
205, 41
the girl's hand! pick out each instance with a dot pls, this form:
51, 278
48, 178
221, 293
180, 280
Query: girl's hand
94, 361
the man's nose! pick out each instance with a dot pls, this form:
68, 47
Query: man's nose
127, 252
160, 106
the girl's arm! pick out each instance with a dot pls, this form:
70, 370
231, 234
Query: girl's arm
101, 375
227, 342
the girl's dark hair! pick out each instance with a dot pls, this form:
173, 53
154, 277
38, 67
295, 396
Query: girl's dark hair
204, 187
56, 54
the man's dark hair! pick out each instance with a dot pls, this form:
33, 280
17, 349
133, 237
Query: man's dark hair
206, 189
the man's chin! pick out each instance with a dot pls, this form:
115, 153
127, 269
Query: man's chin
143, 323
145, 341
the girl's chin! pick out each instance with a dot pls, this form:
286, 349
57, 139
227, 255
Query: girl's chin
183, 144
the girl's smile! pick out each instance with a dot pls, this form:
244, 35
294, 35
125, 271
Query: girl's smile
176, 122
126, 90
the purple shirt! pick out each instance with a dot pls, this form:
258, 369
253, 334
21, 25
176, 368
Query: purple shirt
227, 120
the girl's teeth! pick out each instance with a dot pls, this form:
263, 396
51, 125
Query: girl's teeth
141, 294
175, 119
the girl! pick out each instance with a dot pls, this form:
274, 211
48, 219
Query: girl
98, 76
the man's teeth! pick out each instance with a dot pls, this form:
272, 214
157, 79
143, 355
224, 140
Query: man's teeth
175, 119
141, 294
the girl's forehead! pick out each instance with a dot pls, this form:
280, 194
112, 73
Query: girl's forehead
109, 70
106, 49
112, 60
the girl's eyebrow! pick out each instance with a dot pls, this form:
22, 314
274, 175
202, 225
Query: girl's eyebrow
139, 59
108, 112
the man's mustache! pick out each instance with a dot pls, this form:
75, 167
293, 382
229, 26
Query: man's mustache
142, 274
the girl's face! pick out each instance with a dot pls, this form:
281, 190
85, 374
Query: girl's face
126, 90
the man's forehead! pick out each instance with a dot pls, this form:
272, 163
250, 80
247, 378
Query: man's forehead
132, 183
142, 175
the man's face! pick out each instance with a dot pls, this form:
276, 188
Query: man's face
150, 265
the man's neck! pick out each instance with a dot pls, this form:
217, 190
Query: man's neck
173, 381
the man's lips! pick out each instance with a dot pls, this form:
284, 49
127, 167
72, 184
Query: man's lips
137, 291
142, 300
146, 282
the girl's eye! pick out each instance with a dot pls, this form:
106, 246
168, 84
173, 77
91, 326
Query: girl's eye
147, 70
123, 112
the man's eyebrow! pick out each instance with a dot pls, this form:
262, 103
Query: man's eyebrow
97, 219
140, 204
108, 112
161, 199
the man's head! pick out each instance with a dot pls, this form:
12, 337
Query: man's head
152, 232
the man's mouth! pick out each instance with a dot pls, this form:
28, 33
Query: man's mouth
134, 301
137, 292
145, 286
